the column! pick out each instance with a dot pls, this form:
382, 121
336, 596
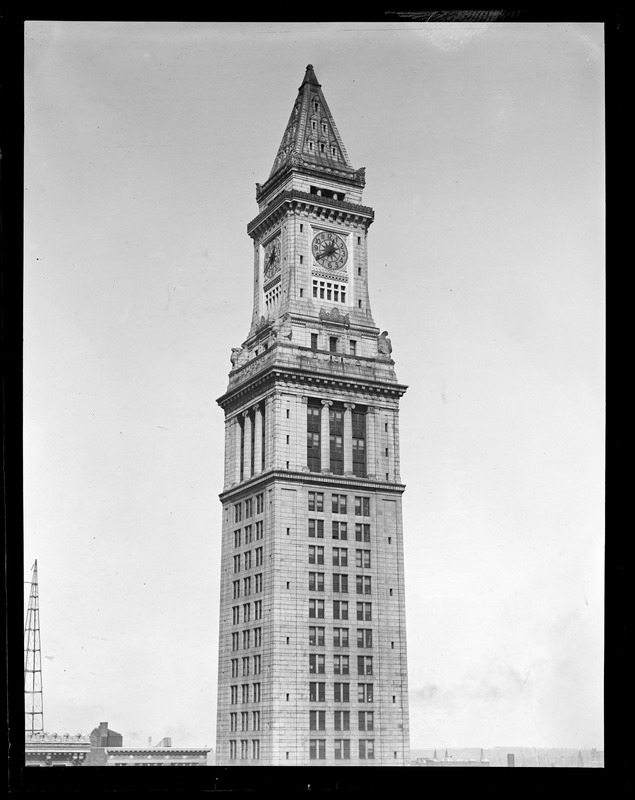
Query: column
247, 447
269, 431
348, 438
302, 435
371, 443
257, 440
236, 433
325, 442
396, 454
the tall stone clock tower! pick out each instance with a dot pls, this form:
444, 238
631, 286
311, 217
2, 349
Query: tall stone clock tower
312, 653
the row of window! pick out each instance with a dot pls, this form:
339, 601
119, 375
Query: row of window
341, 664
335, 449
334, 346
341, 692
246, 666
244, 720
244, 749
247, 561
247, 612
247, 639
339, 530
342, 720
340, 583
249, 693
341, 749
339, 556
339, 503
340, 609
248, 533
247, 585
247, 506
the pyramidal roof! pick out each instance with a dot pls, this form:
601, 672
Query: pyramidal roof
311, 131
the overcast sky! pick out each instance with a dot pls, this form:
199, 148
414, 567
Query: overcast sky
484, 150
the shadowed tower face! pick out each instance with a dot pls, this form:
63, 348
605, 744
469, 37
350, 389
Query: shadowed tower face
312, 650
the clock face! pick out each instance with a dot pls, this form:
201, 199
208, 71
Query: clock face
329, 250
272, 258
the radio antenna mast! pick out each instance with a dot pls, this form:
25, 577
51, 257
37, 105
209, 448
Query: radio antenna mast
33, 708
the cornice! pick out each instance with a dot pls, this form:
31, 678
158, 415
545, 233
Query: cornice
305, 200
314, 479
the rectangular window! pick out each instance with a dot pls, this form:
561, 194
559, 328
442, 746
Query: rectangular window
255, 716
316, 636
246, 586
314, 341
235, 640
235, 589
317, 749
365, 692
341, 693
316, 554
316, 581
246, 639
238, 512
255, 748
237, 538
364, 665
235, 615
366, 720
317, 720
342, 720
353, 347
316, 528
259, 530
258, 580
340, 637
340, 583
362, 559
313, 426
364, 637
366, 749
244, 748
246, 665
339, 530
257, 637
340, 609
258, 556
257, 665
234, 667
246, 612
237, 563
338, 503
249, 507
233, 721
362, 506
260, 503
317, 692
234, 694
256, 692
342, 749
244, 721
245, 692
362, 583
316, 501
362, 532
358, 422
340, 557
248, 559
340, 665
247, 534
316, 609
364, 612
336, 439
258, 609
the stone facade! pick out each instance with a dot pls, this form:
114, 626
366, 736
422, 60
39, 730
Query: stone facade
312, 648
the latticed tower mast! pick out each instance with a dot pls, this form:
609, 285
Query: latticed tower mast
33, 706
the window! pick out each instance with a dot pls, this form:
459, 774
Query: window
246, 665
234, 694
362, 583
255, 716
340, 557
336, 439
316, 636
316, 528
314, 454
362, 559
329, 290
341, 693
362, 532
365, 692
342, 720
246, 612
235, 615
340, 583
255, 748
238, 512
237, 538
249, 507
244, 721
256, 692
364, 612
246, 639
338, 503
342, 749
352, 346
245, 692
316, 501
235, 640
244, 748
364, 637
248, 559
317, 692
258, 609
233, 721
340, 609
257, 665
364, 665
258, 556
247, 534
340, 665
366, 720
340, 530
232, 749
246, 586
234, 667
340, 637
362, 506
314, 341
332, 344
260, 503
316, 554
316, 581
259, 530
316, 609
257, 637
258, 580
235, 589
366, 749
317, 720
317, 749
237, 563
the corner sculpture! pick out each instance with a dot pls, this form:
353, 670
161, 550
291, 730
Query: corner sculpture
384, 345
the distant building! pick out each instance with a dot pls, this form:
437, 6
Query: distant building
106, 749
101, 738
56, 750
449, 761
